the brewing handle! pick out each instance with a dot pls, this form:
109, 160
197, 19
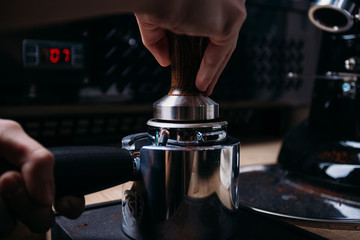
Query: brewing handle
82, 170
186, 53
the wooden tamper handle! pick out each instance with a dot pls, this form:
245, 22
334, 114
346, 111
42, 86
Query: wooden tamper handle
184, 102
186, 53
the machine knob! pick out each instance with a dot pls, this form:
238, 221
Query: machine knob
352, 64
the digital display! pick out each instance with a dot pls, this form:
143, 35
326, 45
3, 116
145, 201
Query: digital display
56, 55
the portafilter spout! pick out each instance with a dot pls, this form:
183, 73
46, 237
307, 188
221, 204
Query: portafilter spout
184, 101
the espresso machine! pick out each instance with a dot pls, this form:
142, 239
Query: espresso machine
316, 179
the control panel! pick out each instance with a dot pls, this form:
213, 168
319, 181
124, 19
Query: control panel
46, 54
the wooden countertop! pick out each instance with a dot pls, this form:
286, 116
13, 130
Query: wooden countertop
264, 152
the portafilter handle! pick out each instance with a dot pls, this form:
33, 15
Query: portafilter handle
81, 170
186, 54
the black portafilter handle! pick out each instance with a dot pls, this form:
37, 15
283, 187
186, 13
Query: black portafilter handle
81, 170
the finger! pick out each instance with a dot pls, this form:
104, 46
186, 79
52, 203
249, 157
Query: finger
213, 82
155, 40
214, 57
70, 206
7, 219
35, 162
38, 217
38, 175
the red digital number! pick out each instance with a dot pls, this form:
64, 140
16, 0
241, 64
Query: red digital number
66, 52
54, 55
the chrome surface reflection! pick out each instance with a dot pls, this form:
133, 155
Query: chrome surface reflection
332, 15
175, 175
186, 108
194, 172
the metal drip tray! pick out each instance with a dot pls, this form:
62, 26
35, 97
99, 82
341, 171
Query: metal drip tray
272, 190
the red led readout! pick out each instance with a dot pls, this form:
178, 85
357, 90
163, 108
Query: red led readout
66, 52
57, 55
54, 55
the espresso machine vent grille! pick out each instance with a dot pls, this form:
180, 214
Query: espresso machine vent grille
278, 57
122, 62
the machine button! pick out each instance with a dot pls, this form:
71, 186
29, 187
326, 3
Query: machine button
78, 51
31, 59
30, 49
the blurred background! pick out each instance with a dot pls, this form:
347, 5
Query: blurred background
93, 82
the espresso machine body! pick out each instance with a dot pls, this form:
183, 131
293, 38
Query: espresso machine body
316, 179
326, 146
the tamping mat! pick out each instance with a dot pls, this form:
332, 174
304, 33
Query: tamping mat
275, 191
103, 221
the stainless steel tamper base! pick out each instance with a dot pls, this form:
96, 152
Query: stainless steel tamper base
186, 108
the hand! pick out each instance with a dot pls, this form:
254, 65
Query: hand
28, 195
220, 20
